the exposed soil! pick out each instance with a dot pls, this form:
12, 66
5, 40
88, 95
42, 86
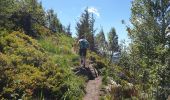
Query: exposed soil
93, 89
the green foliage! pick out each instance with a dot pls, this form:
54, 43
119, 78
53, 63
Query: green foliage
146, 57
59, 45
60, 49
22, 64
113, 42
53, 22
113, 39
6, 8
29, 16
98, 60
85, 27
41, 31
29, 71
100, 41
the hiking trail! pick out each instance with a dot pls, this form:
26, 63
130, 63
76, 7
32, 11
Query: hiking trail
93, 89
94, 83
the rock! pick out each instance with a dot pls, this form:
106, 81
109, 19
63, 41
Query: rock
108, 88
122, 75
144, 96
130, 91
113, 83
130, 85
93, 71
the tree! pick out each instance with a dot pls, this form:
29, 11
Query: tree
113, 42
6, 12
68, 30
124, 60
101, 42
90, 35
85, 27
53, 22
83, 24
28, 14
149, 19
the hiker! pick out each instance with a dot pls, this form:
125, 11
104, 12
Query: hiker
83, 45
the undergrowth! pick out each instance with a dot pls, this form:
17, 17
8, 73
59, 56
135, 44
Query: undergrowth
32, 69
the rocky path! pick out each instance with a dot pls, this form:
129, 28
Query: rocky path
94, 84
93, 89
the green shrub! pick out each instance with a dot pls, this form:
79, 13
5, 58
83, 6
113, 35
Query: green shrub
32, 70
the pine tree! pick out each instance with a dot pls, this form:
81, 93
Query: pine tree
53, 22
28, 16
113, 42
101, 42
68, 30
7, 7
85, 27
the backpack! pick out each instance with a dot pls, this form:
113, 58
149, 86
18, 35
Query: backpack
84, 44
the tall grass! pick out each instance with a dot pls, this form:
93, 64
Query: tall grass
60, 50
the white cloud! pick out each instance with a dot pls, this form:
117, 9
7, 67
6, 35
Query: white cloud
94, 10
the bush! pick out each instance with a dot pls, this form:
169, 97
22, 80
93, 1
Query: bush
29, 71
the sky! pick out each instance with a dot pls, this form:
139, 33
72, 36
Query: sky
108, 13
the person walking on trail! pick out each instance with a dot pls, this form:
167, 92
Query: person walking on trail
83, 45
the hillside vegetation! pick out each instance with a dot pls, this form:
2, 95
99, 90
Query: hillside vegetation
38, 68
38, 56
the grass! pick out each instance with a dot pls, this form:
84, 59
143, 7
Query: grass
60, 50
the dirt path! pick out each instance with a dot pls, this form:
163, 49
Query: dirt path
93, 89
93, 86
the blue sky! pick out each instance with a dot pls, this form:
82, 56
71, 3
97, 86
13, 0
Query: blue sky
108, 13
